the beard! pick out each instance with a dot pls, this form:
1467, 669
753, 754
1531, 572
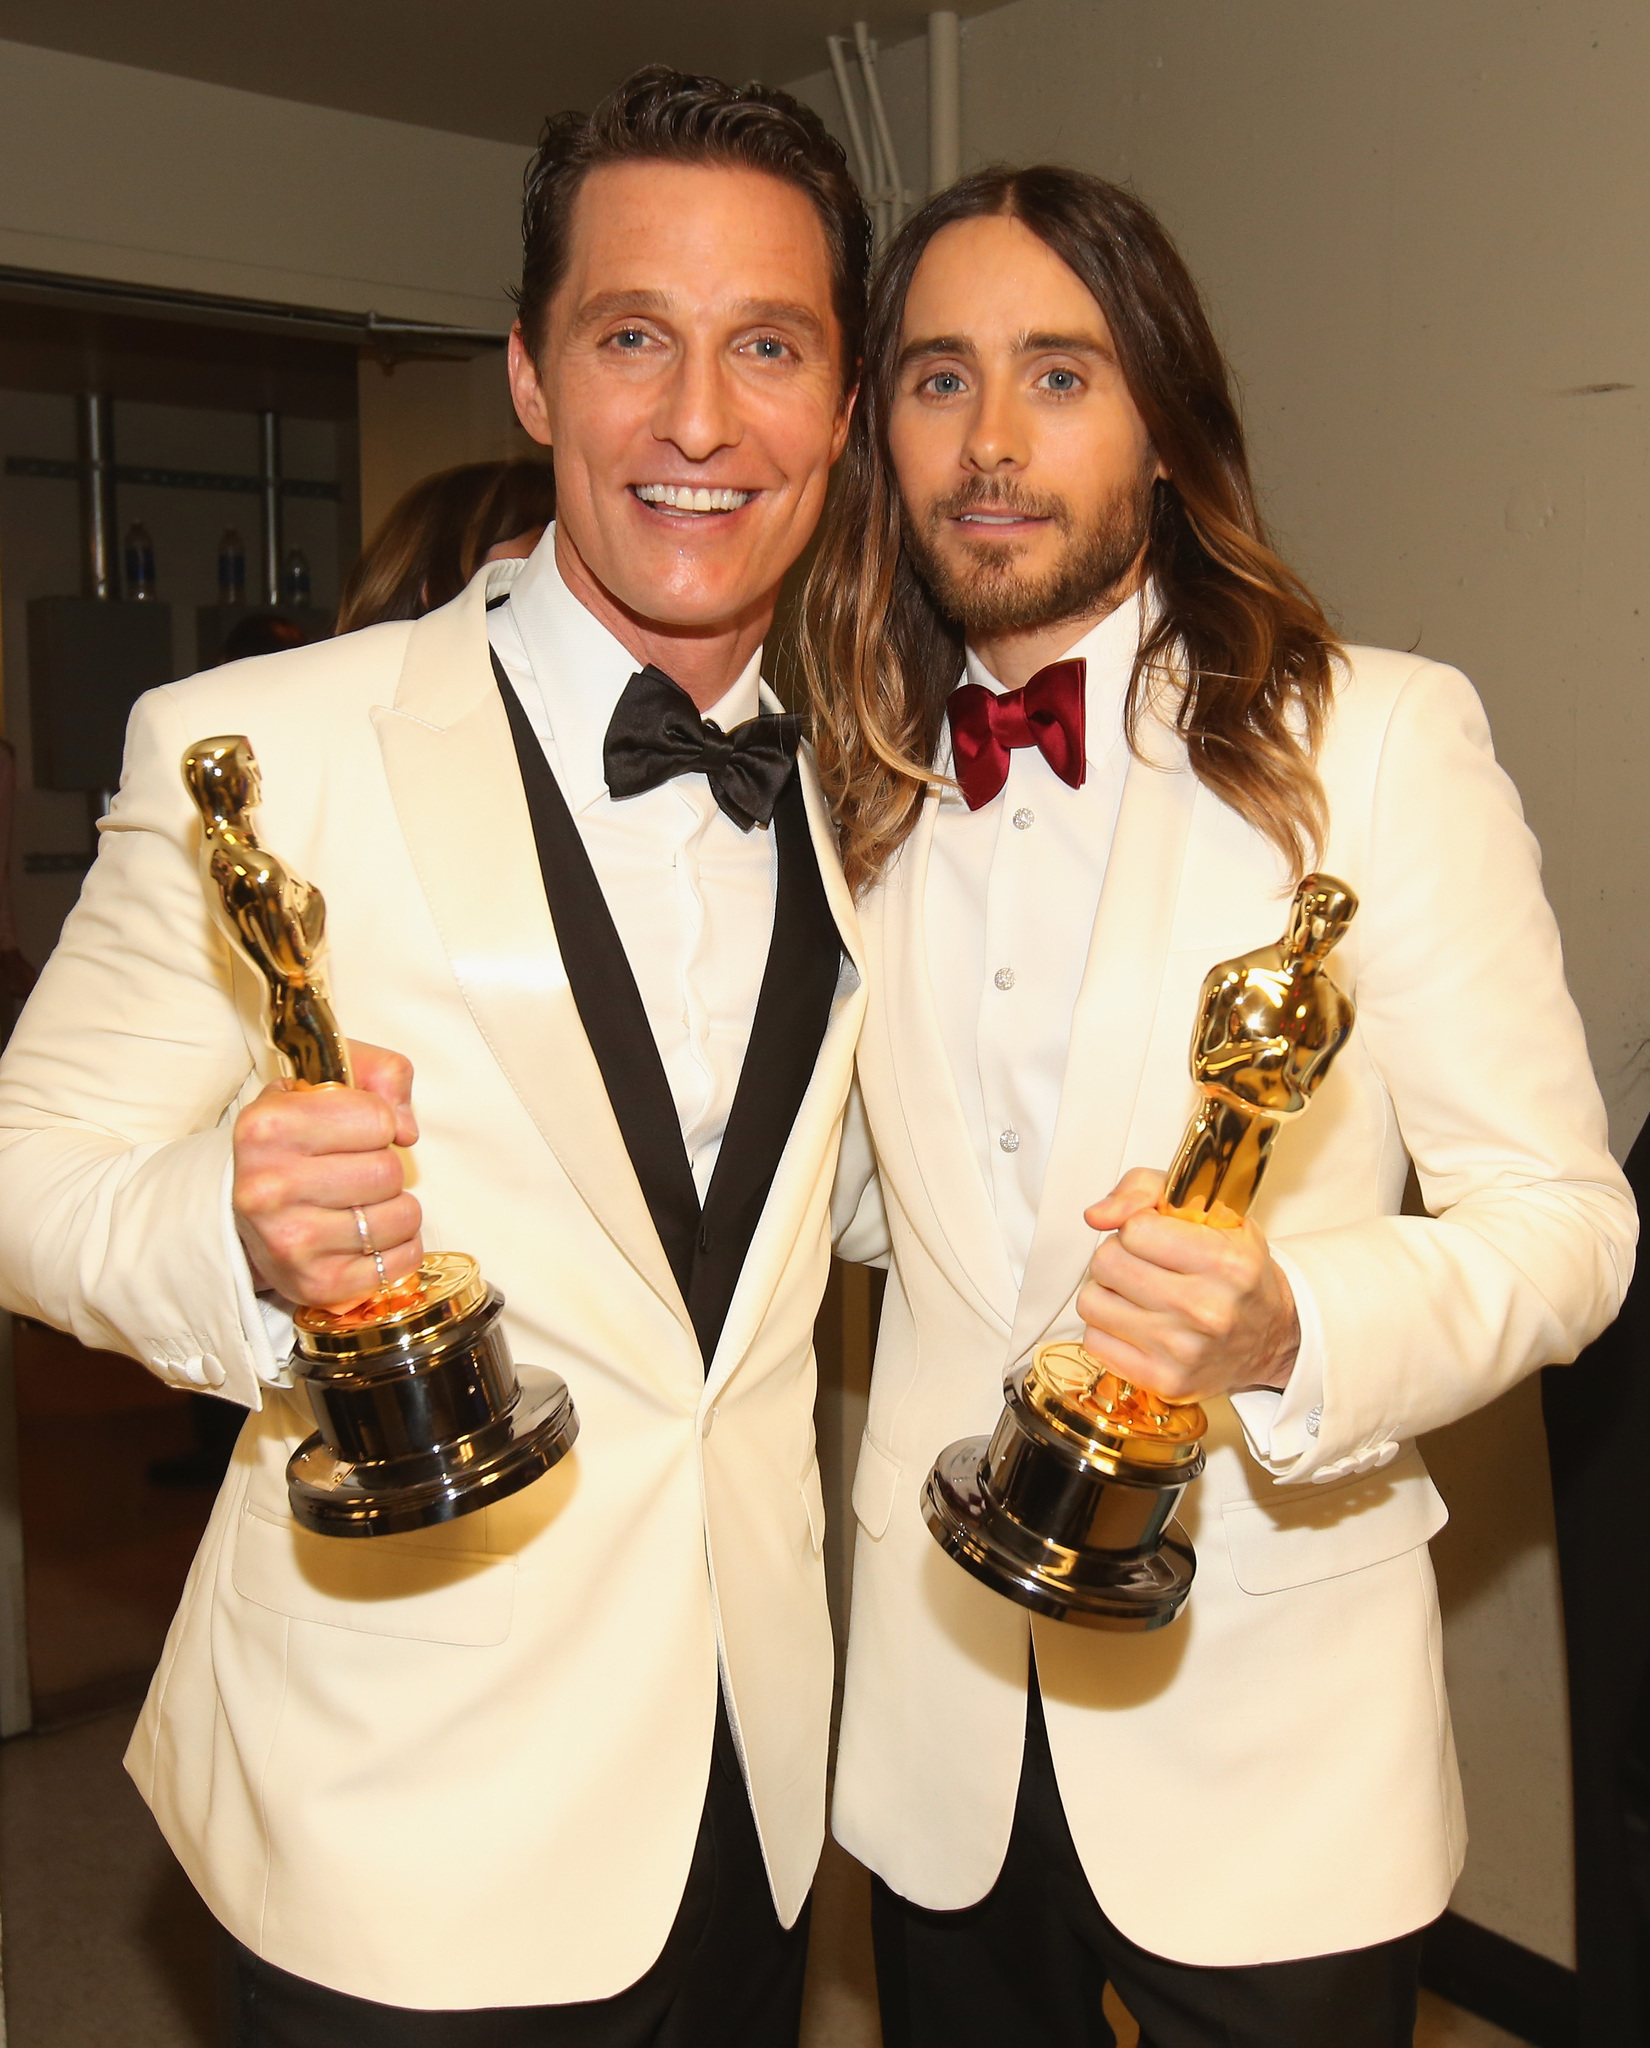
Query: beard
987, 593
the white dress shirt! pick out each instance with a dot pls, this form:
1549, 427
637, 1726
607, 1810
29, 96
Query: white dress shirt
1013, 890
691, 894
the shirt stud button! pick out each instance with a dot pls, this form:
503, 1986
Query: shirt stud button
1010, 1140
1004, 977
1024, 818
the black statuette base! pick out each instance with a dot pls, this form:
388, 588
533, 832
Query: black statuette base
1034, 1520
335, 1498
447, 1425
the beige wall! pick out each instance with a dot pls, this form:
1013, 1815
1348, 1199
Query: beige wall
1420, 226
420, 415
107, 171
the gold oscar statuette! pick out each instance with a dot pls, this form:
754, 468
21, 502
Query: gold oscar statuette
423, 1415
1068, 1506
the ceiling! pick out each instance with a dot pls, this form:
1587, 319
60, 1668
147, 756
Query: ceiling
488, 67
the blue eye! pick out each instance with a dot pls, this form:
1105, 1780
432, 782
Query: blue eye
945, 383
770, 348
1062, 380
630, 337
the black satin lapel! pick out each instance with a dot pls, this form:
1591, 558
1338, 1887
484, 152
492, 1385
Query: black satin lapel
792, 1012
609, 1004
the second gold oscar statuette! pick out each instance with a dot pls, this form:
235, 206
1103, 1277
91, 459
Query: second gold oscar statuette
423, 1415
1067, 1508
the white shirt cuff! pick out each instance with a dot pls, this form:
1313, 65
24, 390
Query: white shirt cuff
1281, 1422
266, 1320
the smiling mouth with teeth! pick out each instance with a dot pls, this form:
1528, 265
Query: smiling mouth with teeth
687, 498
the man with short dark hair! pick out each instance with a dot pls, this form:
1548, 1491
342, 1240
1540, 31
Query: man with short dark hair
554, 1773
1085, 731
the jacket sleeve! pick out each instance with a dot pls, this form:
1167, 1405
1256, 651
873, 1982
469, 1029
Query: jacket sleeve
117, 1095
1527, 1247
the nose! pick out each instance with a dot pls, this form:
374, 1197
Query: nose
697, 412
996, 440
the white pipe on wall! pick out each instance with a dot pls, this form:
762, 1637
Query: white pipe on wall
944, 100
877, 190
850, 113
893, 190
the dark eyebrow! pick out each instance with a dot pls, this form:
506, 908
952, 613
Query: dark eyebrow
1064, 344
777, 312
935, 345
783, 313
1027, 344
606, 305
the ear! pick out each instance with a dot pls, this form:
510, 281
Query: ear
527, 391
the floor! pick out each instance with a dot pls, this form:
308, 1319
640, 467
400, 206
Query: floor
104, 1939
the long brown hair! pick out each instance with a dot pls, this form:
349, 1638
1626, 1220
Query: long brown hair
1236, 632
435, 537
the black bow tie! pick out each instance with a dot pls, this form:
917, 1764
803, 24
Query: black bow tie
656, 734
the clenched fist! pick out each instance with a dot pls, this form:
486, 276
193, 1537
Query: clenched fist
1186, 1309
305, 1160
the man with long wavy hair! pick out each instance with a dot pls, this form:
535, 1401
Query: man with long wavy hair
1083, 731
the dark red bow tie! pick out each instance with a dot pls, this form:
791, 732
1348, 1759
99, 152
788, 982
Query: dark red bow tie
1046, 714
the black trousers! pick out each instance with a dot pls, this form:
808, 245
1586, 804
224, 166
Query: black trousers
729, 1975
1028, 1964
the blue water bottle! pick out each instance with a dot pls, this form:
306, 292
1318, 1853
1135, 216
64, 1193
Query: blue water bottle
231, 568
140, 563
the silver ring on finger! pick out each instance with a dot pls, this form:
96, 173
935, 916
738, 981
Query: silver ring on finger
368, 1247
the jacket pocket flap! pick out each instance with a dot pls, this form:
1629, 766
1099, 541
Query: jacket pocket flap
373, 1584
1337, 1529
875, 1482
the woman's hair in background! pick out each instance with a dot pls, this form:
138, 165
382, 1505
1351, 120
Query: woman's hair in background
437, 535
664, 116
1245, 643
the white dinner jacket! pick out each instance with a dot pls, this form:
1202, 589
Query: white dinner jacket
463, 1767
1273, 1775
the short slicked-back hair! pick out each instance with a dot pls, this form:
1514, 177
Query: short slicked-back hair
664, 116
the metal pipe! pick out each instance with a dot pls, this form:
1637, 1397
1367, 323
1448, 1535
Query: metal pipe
850, 114
269, 477
879, 122
881, 224
100, 572
944, 100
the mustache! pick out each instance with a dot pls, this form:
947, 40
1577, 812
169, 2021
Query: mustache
1002, 496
